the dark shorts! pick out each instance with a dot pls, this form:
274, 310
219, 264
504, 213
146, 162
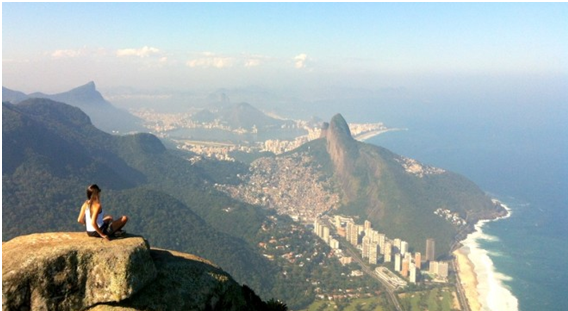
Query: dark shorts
105, 228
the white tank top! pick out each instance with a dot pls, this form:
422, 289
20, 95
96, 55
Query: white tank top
100, 220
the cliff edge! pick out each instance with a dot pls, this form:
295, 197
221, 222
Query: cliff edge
71, 271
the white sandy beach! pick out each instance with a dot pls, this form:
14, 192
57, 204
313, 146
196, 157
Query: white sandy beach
370, 134
483, 285
468, 278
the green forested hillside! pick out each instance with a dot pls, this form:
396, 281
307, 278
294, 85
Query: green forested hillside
398, 195
51, 153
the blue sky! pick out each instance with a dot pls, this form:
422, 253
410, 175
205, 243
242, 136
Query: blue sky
53, 47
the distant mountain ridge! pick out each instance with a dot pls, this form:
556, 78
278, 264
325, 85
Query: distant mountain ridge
242, 115
83, 94
86, 97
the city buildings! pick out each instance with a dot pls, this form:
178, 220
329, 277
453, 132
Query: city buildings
418, 260
373, 244
430, 249
440, 269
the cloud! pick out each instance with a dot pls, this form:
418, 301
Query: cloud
300, 61
208, 60
145, 51
252, 62
67, 53
212, 60
77, 53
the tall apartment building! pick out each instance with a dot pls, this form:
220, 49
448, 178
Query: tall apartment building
374, 236
382, 239
348, 228
433, 267
366, 247
325, 234
405, 267
316, 227
430, 249
403, 247
397, 262
396, 245
360, 229
443, 269
352, 233
369, 232
337, 221
418, 260
413, 273
367, 224
373, 253
440, 268
388, 252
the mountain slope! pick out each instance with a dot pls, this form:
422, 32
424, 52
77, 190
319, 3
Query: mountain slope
51, 153
242, 115
103, 114
12, 96
400, 195
339, 175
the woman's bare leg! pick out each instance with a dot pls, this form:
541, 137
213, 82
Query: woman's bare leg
119, 223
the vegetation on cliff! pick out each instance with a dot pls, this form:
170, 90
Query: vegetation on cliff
51, 152
399, 195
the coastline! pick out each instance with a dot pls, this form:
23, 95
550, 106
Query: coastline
467, 278
367, 135
481, 284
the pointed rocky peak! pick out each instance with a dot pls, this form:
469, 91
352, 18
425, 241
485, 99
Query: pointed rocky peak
80, 96
89, 87
87, 91
341, 146
339, 128
338, 134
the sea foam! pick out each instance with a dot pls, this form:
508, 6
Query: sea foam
493, 294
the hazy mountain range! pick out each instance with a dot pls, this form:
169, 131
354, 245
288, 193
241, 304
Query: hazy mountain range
103, 114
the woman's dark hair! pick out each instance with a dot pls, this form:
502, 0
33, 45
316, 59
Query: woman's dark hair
92, 189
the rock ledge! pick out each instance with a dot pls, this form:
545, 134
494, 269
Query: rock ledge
71, 271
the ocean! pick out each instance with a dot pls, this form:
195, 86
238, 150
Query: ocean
519, 158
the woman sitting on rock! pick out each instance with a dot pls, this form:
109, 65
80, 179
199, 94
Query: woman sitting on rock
91, 216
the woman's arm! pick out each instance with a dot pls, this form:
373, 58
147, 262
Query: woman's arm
81, 218
97, 210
